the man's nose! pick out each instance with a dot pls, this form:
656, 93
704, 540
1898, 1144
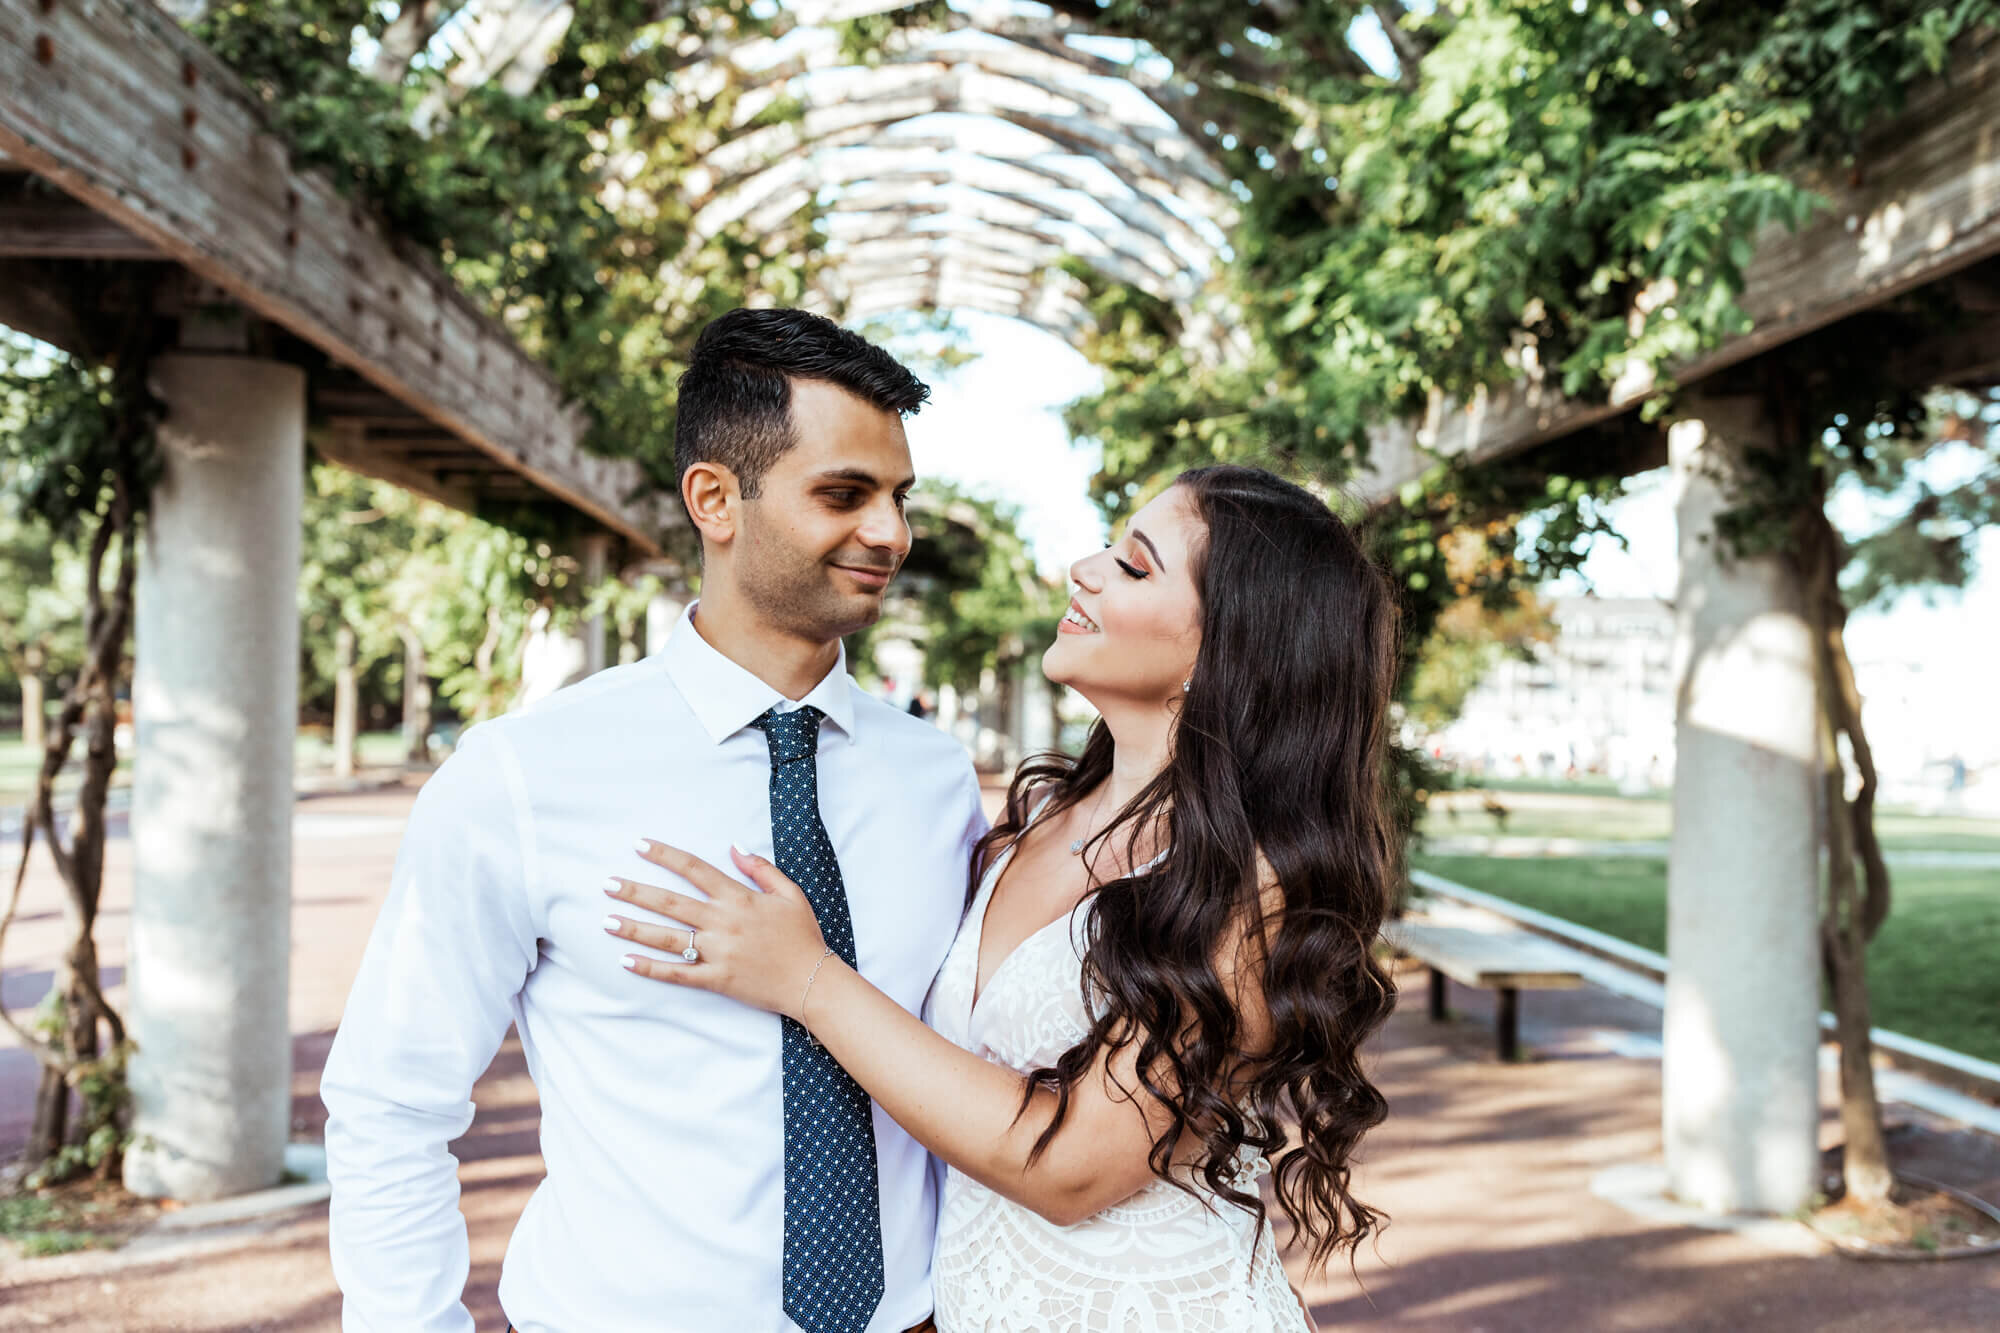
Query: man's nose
886, 528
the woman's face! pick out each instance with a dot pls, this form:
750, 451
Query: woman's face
1134, 623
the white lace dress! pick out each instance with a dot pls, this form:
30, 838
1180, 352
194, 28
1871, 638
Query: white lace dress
1160, 1262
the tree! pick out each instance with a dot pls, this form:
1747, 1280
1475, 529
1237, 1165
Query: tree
80, 456
1852, 424
398, 590
1466, 642
356, 535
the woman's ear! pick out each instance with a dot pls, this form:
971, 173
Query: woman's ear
711, 494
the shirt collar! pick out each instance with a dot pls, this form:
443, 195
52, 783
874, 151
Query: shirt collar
726, 697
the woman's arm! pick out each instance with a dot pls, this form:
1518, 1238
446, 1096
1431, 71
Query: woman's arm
762, 948
962, 1107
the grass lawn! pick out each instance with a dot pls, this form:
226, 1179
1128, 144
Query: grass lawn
1933, 972
19, 767
1608, 817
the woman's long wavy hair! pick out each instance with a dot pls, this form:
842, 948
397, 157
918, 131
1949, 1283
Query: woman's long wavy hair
1278, 749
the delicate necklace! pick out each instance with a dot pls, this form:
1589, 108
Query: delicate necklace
1076, 848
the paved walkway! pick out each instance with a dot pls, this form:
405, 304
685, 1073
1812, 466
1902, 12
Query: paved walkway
1485, 1168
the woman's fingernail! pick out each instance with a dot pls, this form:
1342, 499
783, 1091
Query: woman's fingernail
643, 846
612, 924
613, 885
743, 852
631, 962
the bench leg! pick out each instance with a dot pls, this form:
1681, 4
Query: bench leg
1437, 996
1510, 1024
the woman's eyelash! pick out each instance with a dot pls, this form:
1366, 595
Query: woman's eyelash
1131, 570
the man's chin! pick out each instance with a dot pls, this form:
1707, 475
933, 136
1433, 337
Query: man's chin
856, 611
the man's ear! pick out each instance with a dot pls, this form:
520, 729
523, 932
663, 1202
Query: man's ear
711, 494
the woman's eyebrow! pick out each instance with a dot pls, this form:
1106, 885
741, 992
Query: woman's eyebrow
1147, 542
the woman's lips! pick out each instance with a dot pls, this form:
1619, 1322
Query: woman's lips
1068, 624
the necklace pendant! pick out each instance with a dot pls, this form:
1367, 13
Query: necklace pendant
1076, 848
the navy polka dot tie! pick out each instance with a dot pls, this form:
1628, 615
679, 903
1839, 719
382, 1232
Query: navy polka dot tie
833, 1216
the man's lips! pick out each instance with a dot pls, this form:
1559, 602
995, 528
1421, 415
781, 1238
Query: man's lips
868, 578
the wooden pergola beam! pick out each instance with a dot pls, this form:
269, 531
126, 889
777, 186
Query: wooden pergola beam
118, 106
1921, 202
61, 229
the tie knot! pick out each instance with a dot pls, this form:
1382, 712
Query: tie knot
793, 735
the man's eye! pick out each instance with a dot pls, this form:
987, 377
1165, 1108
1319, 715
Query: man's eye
845, 499
902, 501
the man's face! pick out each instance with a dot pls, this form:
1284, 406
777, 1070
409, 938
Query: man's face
816, 549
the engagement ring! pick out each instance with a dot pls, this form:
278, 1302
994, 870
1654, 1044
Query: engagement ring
691, 953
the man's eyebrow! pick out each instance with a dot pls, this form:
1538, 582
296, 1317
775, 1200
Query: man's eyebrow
1147, 542
862, 476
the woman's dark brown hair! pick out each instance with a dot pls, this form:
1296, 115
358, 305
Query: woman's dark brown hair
1278, 749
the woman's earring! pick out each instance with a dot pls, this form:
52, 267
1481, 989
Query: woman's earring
1186, 685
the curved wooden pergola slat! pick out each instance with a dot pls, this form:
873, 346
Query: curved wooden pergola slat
1157, 177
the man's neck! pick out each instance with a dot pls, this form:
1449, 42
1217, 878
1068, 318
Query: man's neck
788, 664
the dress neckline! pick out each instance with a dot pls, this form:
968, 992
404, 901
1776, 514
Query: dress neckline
983, 903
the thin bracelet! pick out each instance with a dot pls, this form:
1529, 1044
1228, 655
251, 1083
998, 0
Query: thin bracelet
811, 979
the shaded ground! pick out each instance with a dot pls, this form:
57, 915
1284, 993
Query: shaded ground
1485, 1169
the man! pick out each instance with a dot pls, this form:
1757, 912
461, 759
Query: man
709, 1167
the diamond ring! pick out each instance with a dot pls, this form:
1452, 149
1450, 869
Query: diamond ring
690, 953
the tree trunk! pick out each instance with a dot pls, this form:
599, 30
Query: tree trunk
51, 1123
1865, 1159
1008, 706
1852, 912
34, 700
345, 703
416, 698
90, 703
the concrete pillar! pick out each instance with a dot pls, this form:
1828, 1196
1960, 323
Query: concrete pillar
215, 700
1741, 1081
596, 568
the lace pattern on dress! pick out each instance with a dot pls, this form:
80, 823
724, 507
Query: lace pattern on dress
1163, 1261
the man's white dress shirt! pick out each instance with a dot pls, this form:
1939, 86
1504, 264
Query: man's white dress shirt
662, 1108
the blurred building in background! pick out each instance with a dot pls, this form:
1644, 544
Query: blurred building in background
1598, 701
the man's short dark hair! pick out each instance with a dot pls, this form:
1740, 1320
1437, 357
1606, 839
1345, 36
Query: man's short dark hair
735, 405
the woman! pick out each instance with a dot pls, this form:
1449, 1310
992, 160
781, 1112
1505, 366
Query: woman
1165, 962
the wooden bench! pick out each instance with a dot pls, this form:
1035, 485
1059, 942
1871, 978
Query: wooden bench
1509, 963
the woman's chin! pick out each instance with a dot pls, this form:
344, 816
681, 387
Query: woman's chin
1061, 669
1058, 664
